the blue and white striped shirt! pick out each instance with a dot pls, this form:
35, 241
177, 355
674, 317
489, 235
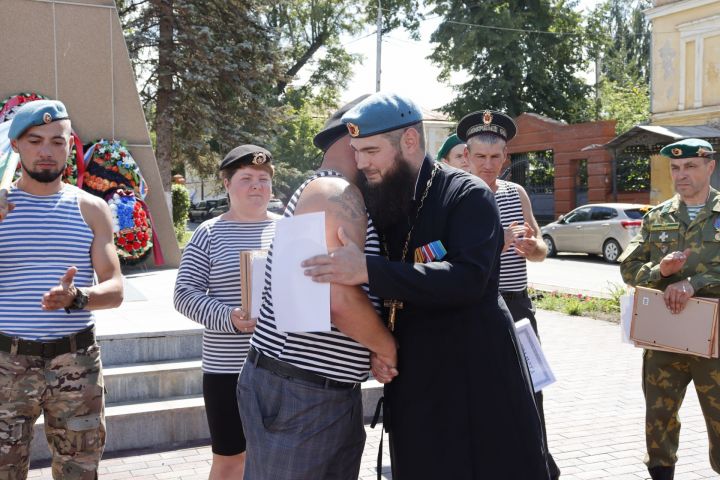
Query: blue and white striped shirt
39, 241
513, 267
207, 287
331, 354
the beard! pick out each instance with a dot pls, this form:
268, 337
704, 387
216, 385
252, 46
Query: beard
390, 201
43, 176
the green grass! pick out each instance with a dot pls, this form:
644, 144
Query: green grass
578, 304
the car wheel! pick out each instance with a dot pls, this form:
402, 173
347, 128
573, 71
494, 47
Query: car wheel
551, 251
611, 250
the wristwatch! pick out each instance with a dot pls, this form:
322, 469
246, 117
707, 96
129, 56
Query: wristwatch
80, 301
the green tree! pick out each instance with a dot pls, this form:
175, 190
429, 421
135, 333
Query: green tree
180, 209
520, 55
205, 66
619, 41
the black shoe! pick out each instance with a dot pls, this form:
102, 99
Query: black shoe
662, 473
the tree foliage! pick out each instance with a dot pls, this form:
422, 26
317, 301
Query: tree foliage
512, 65
217, 73
619, 41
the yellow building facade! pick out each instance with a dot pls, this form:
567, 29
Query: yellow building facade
685, 73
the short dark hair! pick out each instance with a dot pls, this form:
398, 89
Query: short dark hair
394, 136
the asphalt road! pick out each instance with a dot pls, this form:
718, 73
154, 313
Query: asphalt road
575, 273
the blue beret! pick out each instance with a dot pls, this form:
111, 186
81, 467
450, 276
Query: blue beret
334, 129
32, 114
380, 113
688, 148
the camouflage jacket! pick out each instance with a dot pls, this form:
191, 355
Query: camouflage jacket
667, 228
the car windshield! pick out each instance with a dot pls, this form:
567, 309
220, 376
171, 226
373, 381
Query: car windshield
635, 213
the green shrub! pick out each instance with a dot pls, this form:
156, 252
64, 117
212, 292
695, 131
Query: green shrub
181, 209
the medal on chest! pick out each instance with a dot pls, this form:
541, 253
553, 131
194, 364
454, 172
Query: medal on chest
393, 304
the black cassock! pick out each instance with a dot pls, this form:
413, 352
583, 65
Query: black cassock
462, 406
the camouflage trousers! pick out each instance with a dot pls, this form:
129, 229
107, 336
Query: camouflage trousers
665, 380
68, 391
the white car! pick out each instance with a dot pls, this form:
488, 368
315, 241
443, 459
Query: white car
603, 229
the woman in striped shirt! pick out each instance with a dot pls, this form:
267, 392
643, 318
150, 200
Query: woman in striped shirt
207, 291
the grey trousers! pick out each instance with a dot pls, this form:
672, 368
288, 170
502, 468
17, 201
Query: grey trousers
296, 430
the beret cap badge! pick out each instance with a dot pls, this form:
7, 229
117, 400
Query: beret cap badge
676, 152
702, 152
47, 118
259, 158
353, 129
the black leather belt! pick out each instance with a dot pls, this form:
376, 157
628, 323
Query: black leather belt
50, 349
285, 369
514, 295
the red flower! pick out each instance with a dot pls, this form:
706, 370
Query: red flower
121, 241
144, 242
136, 245
130, 237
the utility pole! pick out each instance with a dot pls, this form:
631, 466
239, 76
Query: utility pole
379, 47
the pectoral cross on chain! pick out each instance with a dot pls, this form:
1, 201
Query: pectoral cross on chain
394, 305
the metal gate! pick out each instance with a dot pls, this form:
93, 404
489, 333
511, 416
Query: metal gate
535, 171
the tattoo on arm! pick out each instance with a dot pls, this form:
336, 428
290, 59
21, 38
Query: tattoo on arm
350, 204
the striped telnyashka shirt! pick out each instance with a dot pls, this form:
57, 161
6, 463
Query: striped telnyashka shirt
513, 269
207, 287
39, 241
330, 354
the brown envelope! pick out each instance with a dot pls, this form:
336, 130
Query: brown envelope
692, 331
246, 274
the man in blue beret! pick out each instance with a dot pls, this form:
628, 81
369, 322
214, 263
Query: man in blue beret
313, 378
459, 402
678, 251
51, 244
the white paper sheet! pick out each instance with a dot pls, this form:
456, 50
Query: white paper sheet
626, 312
539, 368
300, 305
258, 284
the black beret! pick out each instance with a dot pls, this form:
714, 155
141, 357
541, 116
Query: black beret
487, 121
334, 128
245, 155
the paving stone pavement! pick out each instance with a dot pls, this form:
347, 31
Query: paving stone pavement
594, 415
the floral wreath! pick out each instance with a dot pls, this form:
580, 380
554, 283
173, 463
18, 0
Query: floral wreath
132, 228
10, 105
110, 166
73, 173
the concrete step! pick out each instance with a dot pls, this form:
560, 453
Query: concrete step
144, 347
152, 381
165, 422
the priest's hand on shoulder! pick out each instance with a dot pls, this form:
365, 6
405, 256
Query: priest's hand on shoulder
345, 265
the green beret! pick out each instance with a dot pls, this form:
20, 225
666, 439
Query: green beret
380, 113
245, 155
688, 148
450, 142
32, 114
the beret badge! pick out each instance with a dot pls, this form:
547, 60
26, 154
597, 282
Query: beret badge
353, 129
47, 118
487, 117
676, 152
703, 152
259, 158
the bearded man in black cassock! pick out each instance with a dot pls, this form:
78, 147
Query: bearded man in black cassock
459, 403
